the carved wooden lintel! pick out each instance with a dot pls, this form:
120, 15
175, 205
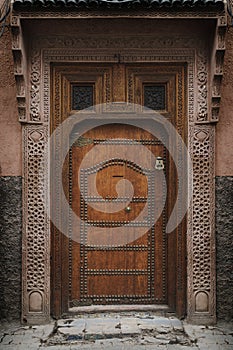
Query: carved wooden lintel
43, 13
205, 113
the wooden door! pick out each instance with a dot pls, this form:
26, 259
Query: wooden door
98, 268
121, 259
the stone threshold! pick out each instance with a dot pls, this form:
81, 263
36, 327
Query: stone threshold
135, 326
157, 309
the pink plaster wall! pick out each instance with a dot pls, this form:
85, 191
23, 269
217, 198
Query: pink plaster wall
224, 131
10, 128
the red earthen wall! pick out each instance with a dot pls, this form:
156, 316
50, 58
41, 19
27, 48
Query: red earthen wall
10, 128
224, 131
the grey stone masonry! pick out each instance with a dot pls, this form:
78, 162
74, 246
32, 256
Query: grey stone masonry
122, 331
224, 247
10, 247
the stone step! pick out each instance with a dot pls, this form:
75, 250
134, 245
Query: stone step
105, 327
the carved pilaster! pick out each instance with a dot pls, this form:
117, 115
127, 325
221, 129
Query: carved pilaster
201, 236
36, 246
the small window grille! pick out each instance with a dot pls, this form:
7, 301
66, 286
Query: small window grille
155, 97
82, 97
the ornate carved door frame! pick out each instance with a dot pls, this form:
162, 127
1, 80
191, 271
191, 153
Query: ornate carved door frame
110, 79
202, 112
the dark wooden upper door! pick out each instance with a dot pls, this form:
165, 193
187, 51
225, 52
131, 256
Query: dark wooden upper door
121, 256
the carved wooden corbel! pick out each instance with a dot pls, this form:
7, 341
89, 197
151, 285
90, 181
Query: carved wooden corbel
19, 66
217, 67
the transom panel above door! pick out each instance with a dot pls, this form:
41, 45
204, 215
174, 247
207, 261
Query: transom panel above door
101, 268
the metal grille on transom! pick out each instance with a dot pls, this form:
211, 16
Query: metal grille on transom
82, 97
154, 97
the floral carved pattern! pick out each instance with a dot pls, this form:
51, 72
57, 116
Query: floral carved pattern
35, 246
201, 262
35, 87
202, 79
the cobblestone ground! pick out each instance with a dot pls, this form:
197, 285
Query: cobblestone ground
117, 332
